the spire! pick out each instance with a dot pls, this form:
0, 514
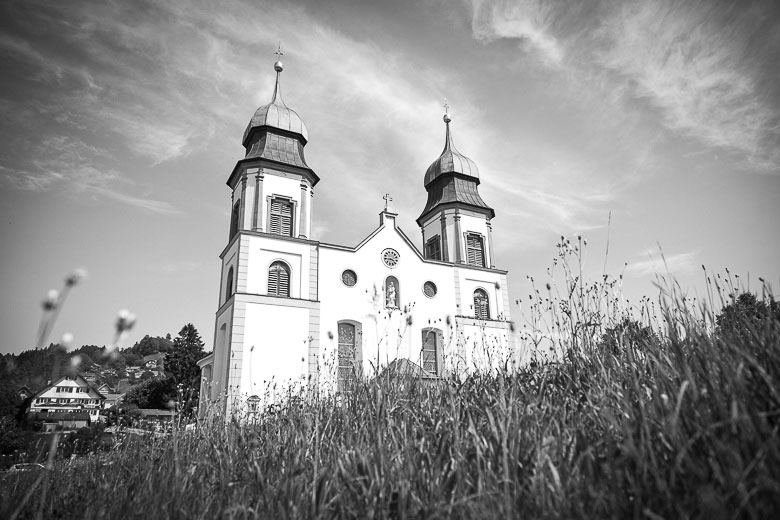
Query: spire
278, 67
448, 144
452, 178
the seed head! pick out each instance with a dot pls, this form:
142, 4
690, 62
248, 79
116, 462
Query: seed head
125, 321
75, 277
51, 301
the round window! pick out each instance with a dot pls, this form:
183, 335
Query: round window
349, 278
429, 289
390, 257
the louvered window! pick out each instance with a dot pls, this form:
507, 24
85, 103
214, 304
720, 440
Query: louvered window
430, 346
281, 217
475, 250
234, 217
347, 357
481, 305
433, 248
279, 279
229, 284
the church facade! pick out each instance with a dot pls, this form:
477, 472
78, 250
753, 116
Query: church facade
296, 311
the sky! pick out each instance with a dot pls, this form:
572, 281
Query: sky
651, 128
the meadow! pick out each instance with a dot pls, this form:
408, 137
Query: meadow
654, 410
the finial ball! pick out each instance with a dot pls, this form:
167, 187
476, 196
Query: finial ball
447, 118
278, 66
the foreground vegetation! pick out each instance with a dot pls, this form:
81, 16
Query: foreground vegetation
652, 412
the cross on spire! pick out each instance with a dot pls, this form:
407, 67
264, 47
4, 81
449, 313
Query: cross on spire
387, 198
279, 52
446, 107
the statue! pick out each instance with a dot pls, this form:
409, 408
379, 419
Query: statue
391, 294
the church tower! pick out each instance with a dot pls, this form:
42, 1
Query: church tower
268, 290
455, 223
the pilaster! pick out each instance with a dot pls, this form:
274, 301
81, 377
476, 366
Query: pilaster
458, 252
257, 219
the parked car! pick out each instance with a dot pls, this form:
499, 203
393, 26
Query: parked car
27, 466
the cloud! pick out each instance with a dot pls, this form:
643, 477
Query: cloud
658, 263
527, 21
694, 62
68, 165
708, 69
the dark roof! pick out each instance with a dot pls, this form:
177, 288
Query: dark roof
279, 148
455, 189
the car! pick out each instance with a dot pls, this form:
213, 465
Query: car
27, 466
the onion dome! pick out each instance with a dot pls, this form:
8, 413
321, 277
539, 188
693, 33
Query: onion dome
276, 132
452, 180
450, 160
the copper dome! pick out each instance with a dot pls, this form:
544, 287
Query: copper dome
450, 161
277, 115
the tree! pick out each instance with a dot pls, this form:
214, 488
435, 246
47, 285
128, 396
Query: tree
151, 345
152, 393
627, 332
182, 361
747, 313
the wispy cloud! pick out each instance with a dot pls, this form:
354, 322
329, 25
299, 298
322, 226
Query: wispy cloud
70, 166
707, 68
655, 262
694, 61
528, 21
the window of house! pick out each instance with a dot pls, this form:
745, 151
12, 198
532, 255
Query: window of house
431, 339
279, 279
347, 354
392, 293
475, 250
281, 217
433, 248
481, 305
429, 289
234, 219
229, 284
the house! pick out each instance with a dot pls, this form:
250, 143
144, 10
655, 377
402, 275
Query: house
296, 311
68, 402
154, 361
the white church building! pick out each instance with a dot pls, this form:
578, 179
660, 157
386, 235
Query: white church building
296, 311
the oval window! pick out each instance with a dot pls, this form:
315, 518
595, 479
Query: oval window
349, 278
429, 289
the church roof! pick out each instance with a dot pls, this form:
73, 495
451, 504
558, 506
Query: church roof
450, 160
277, 114
452, 189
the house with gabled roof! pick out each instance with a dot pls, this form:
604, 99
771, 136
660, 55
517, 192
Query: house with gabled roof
68, 402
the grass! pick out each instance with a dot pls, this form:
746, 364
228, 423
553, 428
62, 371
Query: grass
679, 423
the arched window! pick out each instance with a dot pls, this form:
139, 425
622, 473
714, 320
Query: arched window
349, 355
229, 284
481, 305
392, 293
431, 350
234, 219
279, 279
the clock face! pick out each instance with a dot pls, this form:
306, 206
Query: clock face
390, 257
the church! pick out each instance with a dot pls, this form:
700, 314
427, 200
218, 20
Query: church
294, 311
